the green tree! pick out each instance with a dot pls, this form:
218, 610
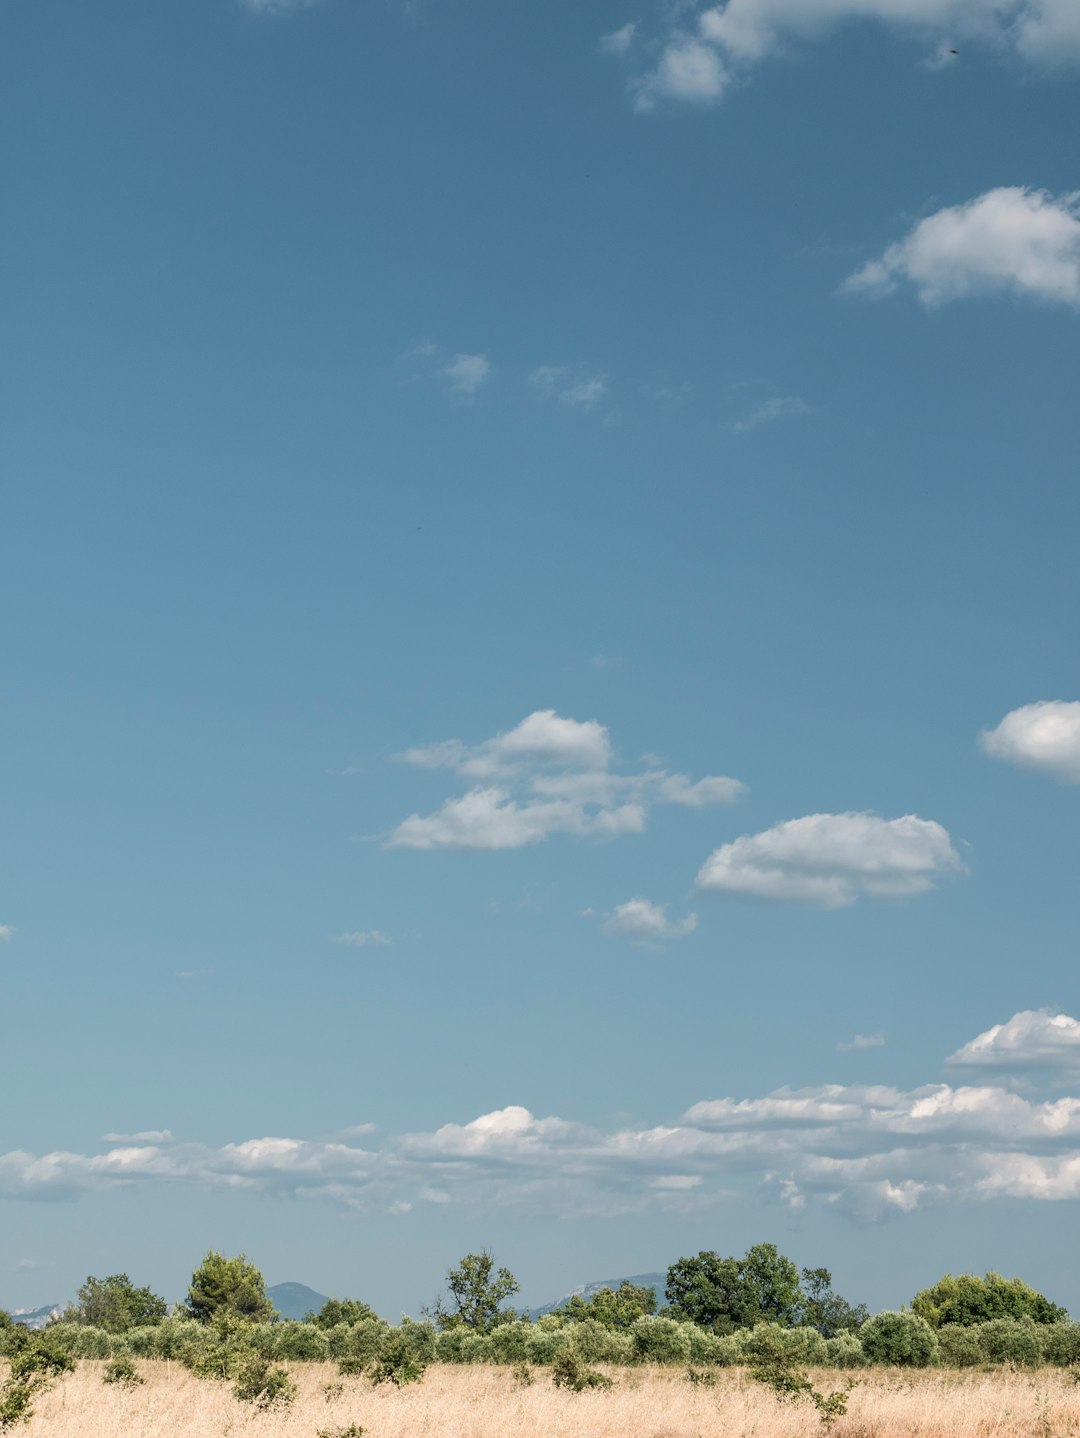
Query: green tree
234, 1287
115, 1304
613, 1307
966, 1299
341, 1310
904, 1339
477, 1292
823, 1308
709, 1290
774, 1282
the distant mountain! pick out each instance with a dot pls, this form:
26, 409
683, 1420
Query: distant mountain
34, 1317
656, 1281
295, 1300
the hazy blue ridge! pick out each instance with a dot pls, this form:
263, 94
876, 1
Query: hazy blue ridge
34, 1317
295, 1300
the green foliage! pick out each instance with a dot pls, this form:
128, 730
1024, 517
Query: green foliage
702, 1377
477, 1293
903, 1339
351, 1367
966, 1299
660, 1340
844, 1351
571, 1371
398, 1361
788, 1345
357, 1340
352, 1431
228, 1285
612, 1307
510, 1342
223, 1347
342, 1310
959, 1346
522, 1375
115, 1305
1061, 1343
332, 1392
123, 1373
35, 1365
824, 1309
724, 1294
267, 1388
790, 1385
1008, 1340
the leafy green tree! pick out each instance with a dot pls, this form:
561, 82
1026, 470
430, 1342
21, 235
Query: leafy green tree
904, 1339
341, 1310
723, 1294
477, 1292
613, 1307
966, 1299
115, 1304
823, 1308
223, 1286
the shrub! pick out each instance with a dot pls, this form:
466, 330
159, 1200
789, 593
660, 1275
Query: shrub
544, 1345
703, 1377
360, 1340
265, 1387
1010, 1340
792, 1345
660, 1340
903, 1339
301, 1342
708, 1347
844, 1350
510, 1342
599, 1344
959, 1347
123, 1373
570, 1371
523, 1375
398, 1362
351, 1367
35, 1365
352, 1431
475, 1348
1061, 1343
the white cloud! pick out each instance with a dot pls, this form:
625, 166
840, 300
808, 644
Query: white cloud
360, 938
645, 922
862, 1041
7, 933
869, 1150
1034, 1038
466, 373
276, 7
688, 71
153, 1135
1012, 240
618, 42
830, 860
1043, 736
786, 406
548, 775
728, 39
576, 391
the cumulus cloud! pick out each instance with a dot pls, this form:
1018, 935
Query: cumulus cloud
1034, 1038
1010, 240
575, 390
830, 860
645, 922
699, 59
869, 1150
548, 775
787, 406
360, 938
466, 373
1043, 736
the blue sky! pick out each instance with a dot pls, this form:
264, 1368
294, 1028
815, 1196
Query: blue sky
540, 699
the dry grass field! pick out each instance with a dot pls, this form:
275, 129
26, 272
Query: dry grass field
485, 1402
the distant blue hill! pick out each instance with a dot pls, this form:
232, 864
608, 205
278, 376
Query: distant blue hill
295, 1300
656, 1281
34, 1317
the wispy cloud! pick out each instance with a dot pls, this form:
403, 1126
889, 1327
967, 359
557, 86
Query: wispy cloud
575, 390
862, 1041
7, 933
1043, 736
868, 1150
1033, 1039
466, 374
703, 53
1010, 240
153, 1135
644, 922
782, 406
548, 775
361, 938
831, 860
276, 7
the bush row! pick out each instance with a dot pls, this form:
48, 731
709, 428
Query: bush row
887, 1338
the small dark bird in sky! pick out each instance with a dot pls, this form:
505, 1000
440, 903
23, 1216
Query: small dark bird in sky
954, 52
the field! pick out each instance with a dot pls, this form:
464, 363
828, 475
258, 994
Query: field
486, 1402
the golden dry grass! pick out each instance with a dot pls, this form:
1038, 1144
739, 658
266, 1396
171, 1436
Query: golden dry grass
485, 1402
